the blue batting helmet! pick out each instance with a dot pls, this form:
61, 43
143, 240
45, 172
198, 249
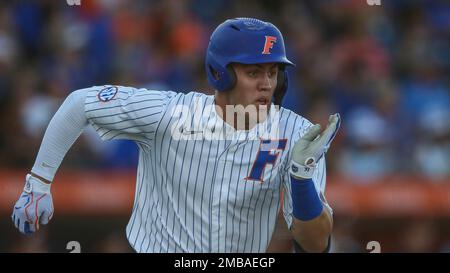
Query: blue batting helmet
246, 41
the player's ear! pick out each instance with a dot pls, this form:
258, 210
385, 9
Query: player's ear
230, 71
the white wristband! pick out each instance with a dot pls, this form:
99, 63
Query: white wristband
34, 184
301, 170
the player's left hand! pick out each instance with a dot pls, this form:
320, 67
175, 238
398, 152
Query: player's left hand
311, 147
34, 207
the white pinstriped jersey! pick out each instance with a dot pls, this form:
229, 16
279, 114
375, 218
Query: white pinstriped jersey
198, 195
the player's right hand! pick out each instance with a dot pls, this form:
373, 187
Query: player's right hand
34, 207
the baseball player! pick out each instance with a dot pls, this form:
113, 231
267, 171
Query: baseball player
205, 183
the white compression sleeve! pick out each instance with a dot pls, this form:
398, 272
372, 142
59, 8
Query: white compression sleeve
65, 127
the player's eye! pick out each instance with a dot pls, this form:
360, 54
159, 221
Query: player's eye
272, 74
252, 73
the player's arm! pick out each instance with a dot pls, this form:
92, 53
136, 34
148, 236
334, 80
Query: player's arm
313, 235
35, 205
312, 222
129, 113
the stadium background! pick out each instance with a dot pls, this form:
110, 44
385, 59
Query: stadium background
384, 68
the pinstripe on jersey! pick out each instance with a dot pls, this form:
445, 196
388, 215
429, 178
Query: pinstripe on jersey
192, 195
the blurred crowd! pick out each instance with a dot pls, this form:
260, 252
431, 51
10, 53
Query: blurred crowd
384, 68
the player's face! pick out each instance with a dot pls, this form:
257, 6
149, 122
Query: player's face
255, 84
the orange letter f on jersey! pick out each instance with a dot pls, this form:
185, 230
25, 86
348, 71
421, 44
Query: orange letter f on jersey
270, 40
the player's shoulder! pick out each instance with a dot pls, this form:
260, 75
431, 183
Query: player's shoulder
194, 96
110, 88
293, 120
125, 89
293, 125
107, 93
192, 99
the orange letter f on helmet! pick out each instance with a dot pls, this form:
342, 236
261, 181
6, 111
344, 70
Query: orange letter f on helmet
270, 40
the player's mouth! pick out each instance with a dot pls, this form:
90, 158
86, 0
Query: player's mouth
262, 101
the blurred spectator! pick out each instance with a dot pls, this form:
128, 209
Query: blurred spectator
344, 238
30, 244
369, 154
418, 236
432, 154
114, 242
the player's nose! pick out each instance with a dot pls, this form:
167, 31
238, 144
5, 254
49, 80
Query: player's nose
265, 83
